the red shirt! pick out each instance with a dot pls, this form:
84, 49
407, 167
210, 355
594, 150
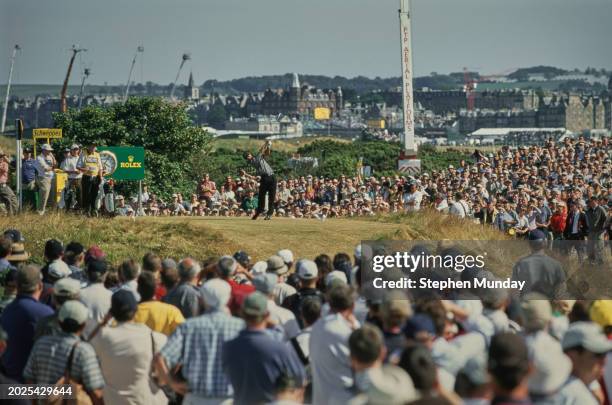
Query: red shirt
557, 222
160, 292
239, 293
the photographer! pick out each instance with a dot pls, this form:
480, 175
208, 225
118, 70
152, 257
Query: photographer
7, 196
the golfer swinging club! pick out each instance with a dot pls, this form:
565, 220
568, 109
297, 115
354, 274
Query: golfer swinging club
267, 184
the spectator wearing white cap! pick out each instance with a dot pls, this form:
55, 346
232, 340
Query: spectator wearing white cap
198, 344
45, 166
280, 316
277, 265
308, 274
48, 361
586, 346
64, 290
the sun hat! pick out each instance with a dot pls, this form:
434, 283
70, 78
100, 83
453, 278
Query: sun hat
277, 265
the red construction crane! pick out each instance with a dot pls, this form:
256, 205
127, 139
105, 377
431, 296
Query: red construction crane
64, 105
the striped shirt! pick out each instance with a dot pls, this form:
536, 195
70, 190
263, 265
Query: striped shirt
261, 166
197, 345
49, 357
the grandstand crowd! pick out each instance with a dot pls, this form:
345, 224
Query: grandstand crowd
286, 331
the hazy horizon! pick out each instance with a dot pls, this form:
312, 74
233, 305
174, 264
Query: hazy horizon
230, 39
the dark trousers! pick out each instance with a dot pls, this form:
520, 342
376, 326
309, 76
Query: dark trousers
90, 186
267, 185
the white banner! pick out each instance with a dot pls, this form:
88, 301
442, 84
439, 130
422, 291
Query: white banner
406, 39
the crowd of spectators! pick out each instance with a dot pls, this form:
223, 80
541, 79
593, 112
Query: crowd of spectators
563, 189
285, 331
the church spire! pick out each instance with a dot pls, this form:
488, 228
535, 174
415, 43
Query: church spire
191, 83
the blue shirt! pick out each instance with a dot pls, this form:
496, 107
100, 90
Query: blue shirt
28, 170
197, 345
19, 321
254, 361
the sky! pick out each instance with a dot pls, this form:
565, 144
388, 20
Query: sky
235, 38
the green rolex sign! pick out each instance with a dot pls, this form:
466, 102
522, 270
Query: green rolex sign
123, 162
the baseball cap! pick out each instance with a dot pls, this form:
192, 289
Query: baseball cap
255, 304
94, 253
552, 367
418, 323
74, 146
47, 147
265, 283
277, 265
287, 255
97, 266
123, 302
587, 335
73, 310
242, 258
601, 312
66, 287
335, 276
59, 269
307, 270
537, 311
259, 268
216, 293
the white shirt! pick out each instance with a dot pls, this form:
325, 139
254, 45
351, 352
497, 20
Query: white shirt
574, 392
282, 291
285, 319
412, 201
125, 353
98, 300
70, 165
43, 164
459, 208
330, 360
